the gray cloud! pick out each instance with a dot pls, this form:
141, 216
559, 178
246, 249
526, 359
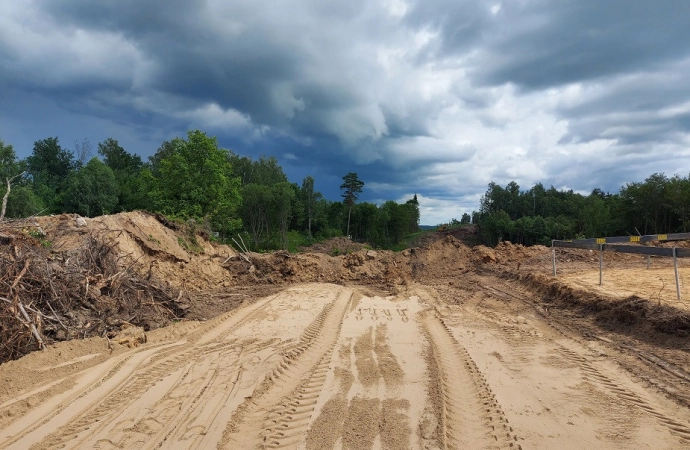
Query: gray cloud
437, 97
538, 44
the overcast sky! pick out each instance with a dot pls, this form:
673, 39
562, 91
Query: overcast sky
434, 97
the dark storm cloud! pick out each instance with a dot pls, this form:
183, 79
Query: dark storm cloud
238, 55
437, 97
192, 54
539, 44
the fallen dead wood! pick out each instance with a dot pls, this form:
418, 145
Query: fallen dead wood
244, 252
83, 292
31, 326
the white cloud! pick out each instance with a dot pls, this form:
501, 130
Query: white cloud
50, 56
211, 115
434, 211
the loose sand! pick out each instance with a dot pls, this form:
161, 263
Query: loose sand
322, 366
655, 284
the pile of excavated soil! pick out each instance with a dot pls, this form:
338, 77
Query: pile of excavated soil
85, 289
506, 253
364, 266
334, 246
447, 257
185, 275
468, 234
151, 247
67, 277
139, 268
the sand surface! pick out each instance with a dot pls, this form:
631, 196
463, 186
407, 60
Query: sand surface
657, 285
322, 366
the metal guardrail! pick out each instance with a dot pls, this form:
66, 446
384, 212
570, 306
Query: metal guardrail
624, 239
608, 244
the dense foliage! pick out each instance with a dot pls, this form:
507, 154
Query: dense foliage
196, 181
92, 190
192, 179
659, 204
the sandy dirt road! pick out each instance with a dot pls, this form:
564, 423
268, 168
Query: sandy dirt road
322, 366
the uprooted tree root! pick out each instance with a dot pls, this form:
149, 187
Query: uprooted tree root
91, 291
631, 312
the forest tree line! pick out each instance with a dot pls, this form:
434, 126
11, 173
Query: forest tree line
659, 204
194, 179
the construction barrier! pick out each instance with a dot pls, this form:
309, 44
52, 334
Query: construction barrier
608, 245
624, 239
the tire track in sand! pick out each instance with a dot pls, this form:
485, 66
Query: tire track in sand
68, 421
286, 425
282, 388
593, 374
472, 418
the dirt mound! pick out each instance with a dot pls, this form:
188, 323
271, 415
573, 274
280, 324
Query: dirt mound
335, 246
66, 277
447, 257
114, 268
149, 244
141, 269
507, 253
383, 268
47, 296
442, 258
467, 234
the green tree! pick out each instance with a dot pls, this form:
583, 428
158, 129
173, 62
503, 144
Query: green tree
352, 187
49, 167
82, 152
255, 211
92, 190
465, 219
678, 194
412, 208
265, 171
495, 227
396, 223
165, 151
23, 202
8, 161
127, 169
10, 170
595, 217
367, 224
646, 204
193, 179
282, 198
310, 198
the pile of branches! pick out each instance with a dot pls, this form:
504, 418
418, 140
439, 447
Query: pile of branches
48, 296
